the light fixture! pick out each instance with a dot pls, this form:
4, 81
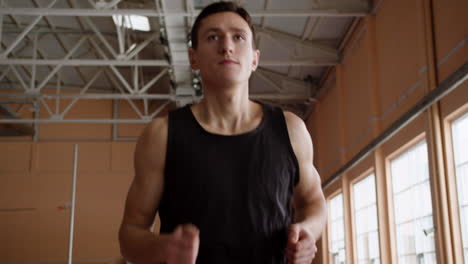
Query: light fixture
134, 22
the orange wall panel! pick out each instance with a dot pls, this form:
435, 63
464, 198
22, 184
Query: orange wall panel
72, 131
100, 201
130, 130
54, 156
15, 157
18, 190
454, 100
99, 213
451, 31
91, 109
19, 237
122, 156
54, 190
357, 95
451, 34
54, 230
411, 131
329, 132
94, 156
400, 51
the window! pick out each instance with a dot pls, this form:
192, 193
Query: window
337, 233
365, 216
134, 22
460, 151
413, 207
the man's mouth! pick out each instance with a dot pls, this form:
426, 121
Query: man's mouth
227, 62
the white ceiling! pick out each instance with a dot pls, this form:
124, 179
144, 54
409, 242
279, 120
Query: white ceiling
298, 44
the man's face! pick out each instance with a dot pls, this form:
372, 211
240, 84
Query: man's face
225, 52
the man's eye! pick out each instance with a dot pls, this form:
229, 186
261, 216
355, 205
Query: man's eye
212, 37
239, 37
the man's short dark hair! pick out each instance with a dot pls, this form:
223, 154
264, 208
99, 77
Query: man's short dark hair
219, 7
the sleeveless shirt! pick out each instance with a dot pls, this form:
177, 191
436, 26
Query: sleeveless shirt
237, 189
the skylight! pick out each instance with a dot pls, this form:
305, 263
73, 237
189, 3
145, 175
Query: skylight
133, 22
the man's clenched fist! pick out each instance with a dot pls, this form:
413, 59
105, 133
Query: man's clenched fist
182, 247
301, 247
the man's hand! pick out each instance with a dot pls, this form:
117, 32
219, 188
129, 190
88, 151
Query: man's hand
301, 246
182, 247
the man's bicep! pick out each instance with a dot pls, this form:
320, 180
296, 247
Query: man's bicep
146, 189
308, 189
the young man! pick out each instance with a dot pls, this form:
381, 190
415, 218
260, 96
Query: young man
227, 174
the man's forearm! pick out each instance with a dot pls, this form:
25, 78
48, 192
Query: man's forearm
138, 245
312, 217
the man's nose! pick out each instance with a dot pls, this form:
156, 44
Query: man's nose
226, 45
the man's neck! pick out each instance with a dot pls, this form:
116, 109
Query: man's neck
227, 110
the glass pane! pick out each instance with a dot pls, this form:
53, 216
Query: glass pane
412, 206
365, 214
337, 233
460, 151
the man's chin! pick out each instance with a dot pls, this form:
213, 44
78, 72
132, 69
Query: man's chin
226, 79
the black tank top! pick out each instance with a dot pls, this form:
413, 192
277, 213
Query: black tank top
236, 189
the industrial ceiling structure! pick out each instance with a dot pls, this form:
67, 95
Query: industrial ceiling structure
137, 51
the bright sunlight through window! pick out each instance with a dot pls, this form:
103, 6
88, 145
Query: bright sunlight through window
412, 206
365, 215
133, 22
337, 234
460, 149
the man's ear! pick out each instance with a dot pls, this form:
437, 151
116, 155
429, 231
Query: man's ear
256, 59
193, 59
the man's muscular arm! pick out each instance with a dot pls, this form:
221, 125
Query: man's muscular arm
309, 201
137, 243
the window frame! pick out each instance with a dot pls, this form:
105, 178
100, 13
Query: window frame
389, 183
452, 191
327, 240
353, 181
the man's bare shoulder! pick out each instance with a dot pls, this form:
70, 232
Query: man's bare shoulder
293, 120
155, 132
151, 145
296, 126
298, 135
157, 126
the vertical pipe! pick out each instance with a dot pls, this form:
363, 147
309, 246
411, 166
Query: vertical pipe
135, 78
57, 99
72, 215
37, 116
120, 34
115, 113
32, 83
145, 104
